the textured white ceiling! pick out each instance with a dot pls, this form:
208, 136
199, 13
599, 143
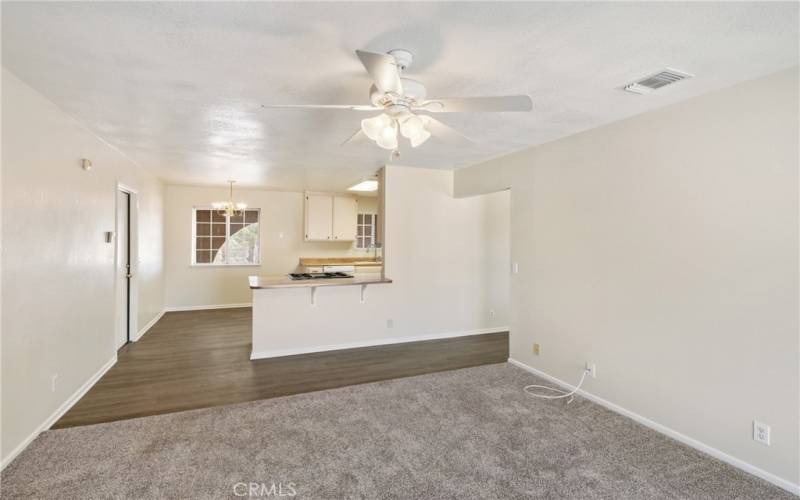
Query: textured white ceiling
177, 86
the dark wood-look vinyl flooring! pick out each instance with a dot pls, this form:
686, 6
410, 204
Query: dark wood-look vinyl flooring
198, 359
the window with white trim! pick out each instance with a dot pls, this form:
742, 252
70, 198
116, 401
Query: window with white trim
218, 240
367, 228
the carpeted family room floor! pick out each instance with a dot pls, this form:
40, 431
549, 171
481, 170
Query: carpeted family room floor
469, 433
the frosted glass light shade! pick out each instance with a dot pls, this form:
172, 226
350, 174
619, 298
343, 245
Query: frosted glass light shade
372, 127
411, 126
422, 136
387, 139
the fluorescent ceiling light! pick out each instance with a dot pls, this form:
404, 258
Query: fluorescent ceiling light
367, 185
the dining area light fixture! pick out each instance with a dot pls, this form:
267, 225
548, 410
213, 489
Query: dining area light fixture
230, 208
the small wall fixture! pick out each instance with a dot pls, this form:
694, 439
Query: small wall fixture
86, 164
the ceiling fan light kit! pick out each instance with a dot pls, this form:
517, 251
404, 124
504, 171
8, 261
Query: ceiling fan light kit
399, 98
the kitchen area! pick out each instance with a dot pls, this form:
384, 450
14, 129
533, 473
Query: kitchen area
313, 308
336, 218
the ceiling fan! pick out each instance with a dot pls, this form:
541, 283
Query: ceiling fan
402, 99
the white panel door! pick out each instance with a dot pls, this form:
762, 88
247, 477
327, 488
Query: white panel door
345, 213
319, 217
122, 269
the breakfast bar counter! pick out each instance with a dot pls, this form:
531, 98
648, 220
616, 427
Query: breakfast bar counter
312, 313
260, 282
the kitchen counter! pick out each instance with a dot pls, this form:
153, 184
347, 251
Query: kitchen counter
301, 316
340, 261
261, 282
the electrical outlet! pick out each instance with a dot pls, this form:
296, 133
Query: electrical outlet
760, 432
389, 323
491, 313
53, 380
592, 369
537, 349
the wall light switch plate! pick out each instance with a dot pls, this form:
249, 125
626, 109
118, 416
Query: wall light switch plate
761, 432
515, 268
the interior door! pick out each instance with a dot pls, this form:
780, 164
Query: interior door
345, 211
123, 266
319, 217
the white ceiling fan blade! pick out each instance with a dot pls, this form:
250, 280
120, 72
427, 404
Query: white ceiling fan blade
477, 104
352, 107
359, 134
445, 132
383, 70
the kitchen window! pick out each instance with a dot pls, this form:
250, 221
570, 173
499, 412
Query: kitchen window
218, 240
367, 228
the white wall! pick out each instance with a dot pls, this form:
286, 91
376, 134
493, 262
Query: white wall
281, 241
664, 248
58, 271
438, 255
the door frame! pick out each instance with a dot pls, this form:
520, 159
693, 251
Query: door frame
133, 257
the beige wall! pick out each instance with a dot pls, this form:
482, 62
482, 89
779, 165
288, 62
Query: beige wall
58, 271
437, 251
497, 261
664, 248
281, 241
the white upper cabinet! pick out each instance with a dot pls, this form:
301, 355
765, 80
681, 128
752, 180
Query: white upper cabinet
319, 217
330, 217
345, 215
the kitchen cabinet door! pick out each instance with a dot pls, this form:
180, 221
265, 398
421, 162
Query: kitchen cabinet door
319, 217
345, 213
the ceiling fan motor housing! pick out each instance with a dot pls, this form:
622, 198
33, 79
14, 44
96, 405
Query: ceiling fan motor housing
413, 92
402, 57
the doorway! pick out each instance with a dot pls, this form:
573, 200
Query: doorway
125, 259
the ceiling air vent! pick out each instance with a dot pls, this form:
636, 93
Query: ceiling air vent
655, 82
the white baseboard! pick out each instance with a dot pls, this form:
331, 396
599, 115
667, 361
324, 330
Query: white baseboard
211, 306
53, 418
373, 342
148, 326
698, 445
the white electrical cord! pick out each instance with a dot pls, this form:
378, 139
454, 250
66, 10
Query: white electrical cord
562, 394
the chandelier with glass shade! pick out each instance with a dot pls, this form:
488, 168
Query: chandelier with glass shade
230, 208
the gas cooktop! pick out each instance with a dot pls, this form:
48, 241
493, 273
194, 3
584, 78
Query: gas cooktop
318, 276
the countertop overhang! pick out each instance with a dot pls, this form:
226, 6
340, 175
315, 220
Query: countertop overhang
340, 261
263, 282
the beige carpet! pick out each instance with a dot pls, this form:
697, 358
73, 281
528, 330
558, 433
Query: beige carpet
462, 434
